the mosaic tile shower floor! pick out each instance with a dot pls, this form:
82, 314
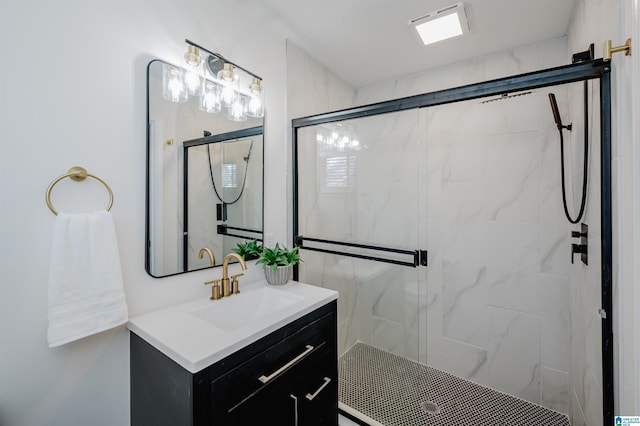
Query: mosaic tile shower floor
396, 391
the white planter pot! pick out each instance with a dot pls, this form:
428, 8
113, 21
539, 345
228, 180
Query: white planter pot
280, 276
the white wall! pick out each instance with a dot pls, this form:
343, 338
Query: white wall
73, 93
626, 166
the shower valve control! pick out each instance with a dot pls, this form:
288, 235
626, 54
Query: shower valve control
581, 248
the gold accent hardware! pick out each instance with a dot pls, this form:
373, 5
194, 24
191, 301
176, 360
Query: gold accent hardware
215, 289
226, 73
255, 86
324, 385
266, 379
235, 285
226, 287
77, 174
192, 56
169, 142
212, 257
608, 50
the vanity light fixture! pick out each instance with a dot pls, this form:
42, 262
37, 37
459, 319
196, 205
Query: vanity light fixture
236, 111
338, 138
442, 24
210, 99
173, 84
255, 106
230, 85
194, 78
221, 89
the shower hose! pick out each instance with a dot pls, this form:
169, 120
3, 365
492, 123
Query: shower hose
583, 200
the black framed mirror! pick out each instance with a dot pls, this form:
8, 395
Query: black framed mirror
204, 175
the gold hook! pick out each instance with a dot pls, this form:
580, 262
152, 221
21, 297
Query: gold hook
608, 50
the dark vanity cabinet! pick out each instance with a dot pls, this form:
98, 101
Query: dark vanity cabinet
288, 377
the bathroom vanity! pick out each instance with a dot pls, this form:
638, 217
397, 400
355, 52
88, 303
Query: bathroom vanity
267, 356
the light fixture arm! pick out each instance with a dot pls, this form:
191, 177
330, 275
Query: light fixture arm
219, 56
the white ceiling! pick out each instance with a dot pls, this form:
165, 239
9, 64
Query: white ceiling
368, 41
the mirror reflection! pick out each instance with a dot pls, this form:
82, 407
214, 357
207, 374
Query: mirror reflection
205, 166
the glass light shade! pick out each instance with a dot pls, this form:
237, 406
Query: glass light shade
194, 80
255, 104
173, 84
210, 99
236, 111
194, 77
255, 108
226, 73
230, 90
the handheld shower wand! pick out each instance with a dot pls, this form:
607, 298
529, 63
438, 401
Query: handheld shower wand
560, 126
556, 113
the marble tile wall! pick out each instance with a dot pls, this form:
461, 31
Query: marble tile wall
246, 213
585, 371
592, 22
498, 300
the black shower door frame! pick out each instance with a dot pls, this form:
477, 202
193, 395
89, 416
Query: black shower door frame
589, 70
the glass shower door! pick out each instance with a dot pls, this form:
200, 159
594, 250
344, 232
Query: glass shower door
500, 283
359, 226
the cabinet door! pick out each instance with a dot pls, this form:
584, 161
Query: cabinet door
316, 391
319, 406
272, 406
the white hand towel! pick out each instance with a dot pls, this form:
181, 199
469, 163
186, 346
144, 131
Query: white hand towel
85, 278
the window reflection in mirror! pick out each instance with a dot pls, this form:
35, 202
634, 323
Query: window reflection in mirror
205, 181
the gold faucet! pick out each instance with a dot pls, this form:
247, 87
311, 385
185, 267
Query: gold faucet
233, 287
215, 289
212, 258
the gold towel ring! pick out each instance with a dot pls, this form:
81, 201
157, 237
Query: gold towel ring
78, 174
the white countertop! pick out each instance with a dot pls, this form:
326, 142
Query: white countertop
184, 334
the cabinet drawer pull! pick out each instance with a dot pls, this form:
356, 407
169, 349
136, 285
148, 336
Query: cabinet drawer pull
265, 379
326, 382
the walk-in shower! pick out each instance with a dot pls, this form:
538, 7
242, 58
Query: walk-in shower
438, 218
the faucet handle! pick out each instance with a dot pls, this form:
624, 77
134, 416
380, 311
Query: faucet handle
215, 290
235, 285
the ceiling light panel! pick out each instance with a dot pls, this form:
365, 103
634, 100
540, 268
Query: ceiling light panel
445, 23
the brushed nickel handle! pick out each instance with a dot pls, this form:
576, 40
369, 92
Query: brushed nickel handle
265, 379
324, 385
295, 409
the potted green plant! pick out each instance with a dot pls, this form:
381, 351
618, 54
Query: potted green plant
248, 250
278, 263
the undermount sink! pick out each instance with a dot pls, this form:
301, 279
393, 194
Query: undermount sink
238, 310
